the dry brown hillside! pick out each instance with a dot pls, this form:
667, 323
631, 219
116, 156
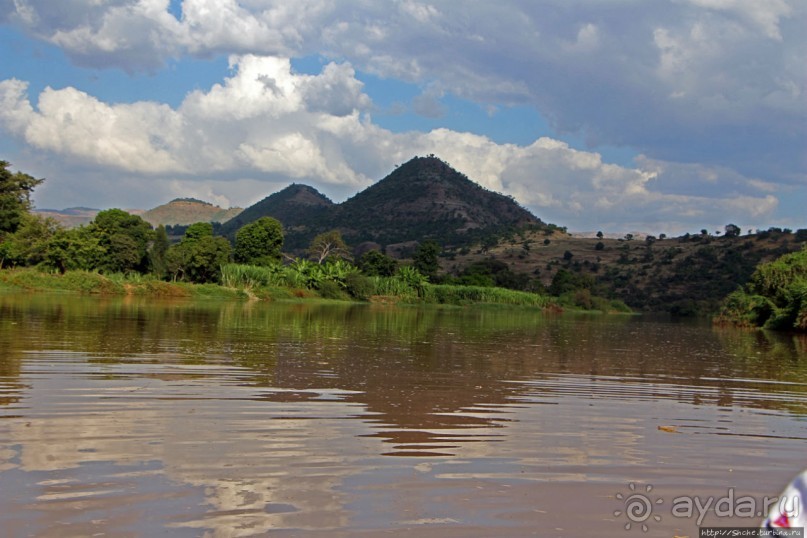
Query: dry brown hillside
688, 274
186, 211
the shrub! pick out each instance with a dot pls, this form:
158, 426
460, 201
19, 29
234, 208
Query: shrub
582, 298
359, 286
328, 289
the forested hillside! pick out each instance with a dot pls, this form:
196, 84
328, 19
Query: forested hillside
422, 199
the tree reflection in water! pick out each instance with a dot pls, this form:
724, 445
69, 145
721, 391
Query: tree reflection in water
244, 417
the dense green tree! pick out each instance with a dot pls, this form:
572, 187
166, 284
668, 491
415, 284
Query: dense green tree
198, 257
197, 231
15, 197
5, 254
374, 263
125, 238
476, 279
490, 272
157, 252
425, 258
28, 245
259, 242
206, 258
774, 298
328, 245
123, 254
77, 248
566, 281
176, 261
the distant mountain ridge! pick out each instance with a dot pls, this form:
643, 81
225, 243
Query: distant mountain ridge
422, 199
70, 217
186, 211
78, 211
180, 211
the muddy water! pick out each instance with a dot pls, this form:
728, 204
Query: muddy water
146, 418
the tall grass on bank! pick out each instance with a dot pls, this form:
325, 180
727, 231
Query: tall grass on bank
289, 282
112, 284
391, 286
251, 276
462, 295
407, 286
80, 281
300, 275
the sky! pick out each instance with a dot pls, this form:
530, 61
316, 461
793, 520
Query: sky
661, 116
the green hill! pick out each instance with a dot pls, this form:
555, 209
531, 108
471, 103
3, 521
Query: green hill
427, 199
301, 209
422, 199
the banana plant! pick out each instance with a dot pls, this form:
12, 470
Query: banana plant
337, 270
412, 278
307, 273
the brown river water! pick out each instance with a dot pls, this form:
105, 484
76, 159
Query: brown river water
137, 417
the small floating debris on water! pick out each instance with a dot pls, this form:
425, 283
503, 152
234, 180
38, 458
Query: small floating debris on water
669, 429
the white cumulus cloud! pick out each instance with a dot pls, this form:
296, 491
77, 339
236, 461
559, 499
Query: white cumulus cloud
667, 78
265, 126
137, 137
710, 92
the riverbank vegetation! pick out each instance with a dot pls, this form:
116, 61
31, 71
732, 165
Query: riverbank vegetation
356, 250
285, 283
774, 298
119, 253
